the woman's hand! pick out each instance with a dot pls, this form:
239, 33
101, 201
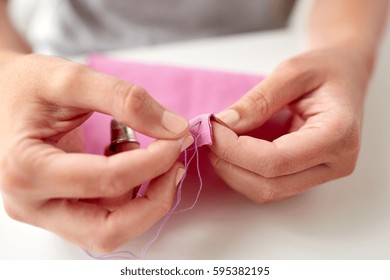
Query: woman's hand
324, 91
46, 184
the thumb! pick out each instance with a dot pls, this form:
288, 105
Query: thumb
127, 103
286, 83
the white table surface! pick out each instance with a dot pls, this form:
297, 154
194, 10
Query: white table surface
344, 219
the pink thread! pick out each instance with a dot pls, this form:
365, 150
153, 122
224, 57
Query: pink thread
200, 180
172, 210
196, 127
113, 256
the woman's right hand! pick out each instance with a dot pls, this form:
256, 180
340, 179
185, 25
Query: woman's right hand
50, 184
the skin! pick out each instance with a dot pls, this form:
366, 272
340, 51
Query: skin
323, 91
45, 179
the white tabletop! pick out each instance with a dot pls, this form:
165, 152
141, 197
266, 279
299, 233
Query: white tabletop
347, 218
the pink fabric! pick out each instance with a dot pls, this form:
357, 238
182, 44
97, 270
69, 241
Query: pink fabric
193, 93
200, 128
187, 91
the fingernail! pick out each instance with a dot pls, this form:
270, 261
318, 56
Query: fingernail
174, 123
230, 117
179, 175
186, 142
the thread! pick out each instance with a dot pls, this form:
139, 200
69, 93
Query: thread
178, 197
125, 254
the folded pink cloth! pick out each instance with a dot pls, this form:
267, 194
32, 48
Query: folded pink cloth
187, 91
193, 93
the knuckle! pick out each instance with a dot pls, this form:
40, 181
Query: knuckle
297, 66
7, 176
111, 182
66, 76
31, 60
269, 170
224, 152
342, 168
294, 64
348, 139
265, 193
104, 241
345, 145
257, 102
133, 99
11, 178
11, 211
216, 162
297, 70
270, 167
258, 199
354, 140
350, 168
352, 160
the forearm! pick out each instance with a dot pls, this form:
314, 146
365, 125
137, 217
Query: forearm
356, 24
10, 39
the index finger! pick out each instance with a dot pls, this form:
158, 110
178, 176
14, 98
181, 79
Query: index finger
288, 154
75, 85
290, 80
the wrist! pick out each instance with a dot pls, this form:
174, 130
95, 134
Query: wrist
358, 53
